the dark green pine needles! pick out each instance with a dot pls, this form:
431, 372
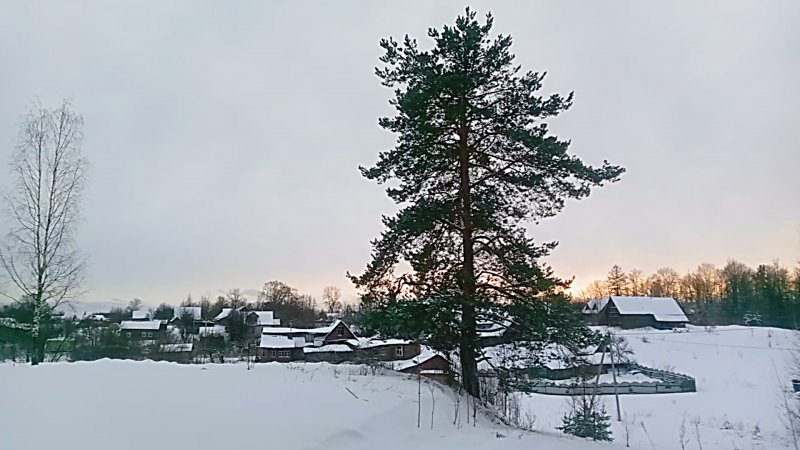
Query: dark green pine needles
474, 162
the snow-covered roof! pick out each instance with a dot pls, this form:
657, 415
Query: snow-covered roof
140, 315
195, 311
216, 330
268, 341
140, 324
595, 306
404, 364
370, 343
319, 330
663, 309
266, 318
10, 322
176, 348
335, 348
223, 314
98, 317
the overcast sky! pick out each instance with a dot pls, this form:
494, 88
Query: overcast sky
225, 137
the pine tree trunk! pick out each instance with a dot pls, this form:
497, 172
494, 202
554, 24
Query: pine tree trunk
469, 365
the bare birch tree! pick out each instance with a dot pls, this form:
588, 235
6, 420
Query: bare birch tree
330, 297
38, 254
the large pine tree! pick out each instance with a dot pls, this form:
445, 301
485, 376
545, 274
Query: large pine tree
473, 163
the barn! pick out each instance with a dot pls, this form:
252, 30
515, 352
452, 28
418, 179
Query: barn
635, 312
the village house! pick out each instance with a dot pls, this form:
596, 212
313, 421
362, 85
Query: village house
335, 343
188, 318
336, 332
363, 350
388, 349
280, 348
224, 316
180, 352
635, 312
143, 329
260, 319
429, 364
332, 353
281, 339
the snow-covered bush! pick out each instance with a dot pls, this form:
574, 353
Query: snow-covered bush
752, 319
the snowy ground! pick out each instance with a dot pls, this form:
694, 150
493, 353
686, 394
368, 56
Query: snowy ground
740, 372
136, 405
152, 406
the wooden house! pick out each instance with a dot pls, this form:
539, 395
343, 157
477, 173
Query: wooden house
388, 349
143, 329
258, 320
180, 352
337, 332
635, 312
333, 343
280, 348
430, 365
224, 316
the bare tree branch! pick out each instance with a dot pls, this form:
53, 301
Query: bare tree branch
38, 255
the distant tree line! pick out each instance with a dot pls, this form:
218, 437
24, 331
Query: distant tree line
768, 294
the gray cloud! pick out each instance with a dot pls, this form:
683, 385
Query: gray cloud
225, 138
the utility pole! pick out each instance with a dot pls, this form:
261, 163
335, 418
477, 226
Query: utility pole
597, 379
614, 373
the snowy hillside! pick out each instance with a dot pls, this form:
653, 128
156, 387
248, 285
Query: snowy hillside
125, 405
152, 406
740, 372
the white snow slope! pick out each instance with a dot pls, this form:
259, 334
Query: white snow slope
151, 406
741, 373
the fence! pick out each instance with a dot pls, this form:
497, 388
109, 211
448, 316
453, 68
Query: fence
668, 383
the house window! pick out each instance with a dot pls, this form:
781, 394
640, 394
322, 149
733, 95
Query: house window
273, 352
147, 334
284, 353
340, 330
398, 350
128, 334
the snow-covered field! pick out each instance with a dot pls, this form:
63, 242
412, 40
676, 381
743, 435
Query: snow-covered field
149, 405
152, 406
740, 372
